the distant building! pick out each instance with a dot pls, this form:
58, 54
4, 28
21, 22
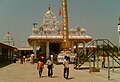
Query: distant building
7, 48
49, 35
25, 49
8, 39
6, 52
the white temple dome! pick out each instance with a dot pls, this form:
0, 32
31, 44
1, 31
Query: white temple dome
7, 39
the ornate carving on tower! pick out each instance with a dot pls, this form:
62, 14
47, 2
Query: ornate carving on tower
50, 25
49, 20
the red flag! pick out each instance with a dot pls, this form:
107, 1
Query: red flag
59, 12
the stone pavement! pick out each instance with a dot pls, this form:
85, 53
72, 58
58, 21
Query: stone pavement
28, 73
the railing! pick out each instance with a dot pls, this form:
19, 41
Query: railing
98, 45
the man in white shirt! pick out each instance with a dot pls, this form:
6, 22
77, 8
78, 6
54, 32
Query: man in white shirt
49, 64
66, 67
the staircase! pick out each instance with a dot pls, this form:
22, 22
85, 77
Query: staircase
96, 46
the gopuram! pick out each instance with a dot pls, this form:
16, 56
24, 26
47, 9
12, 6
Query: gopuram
8, 40
50, 35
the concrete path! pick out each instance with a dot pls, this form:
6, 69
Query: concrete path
27, 72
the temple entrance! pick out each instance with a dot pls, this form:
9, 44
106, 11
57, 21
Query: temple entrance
54, 47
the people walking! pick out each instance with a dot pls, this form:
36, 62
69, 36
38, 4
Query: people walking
40, 66
32, 58
21, 59
24, 58
49, 64
66, 67
103, 60
75, 59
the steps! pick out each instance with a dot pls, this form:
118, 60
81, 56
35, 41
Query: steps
99, 45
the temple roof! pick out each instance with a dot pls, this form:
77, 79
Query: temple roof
33, 38
51, 30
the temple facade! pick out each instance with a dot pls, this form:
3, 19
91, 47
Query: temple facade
48, 36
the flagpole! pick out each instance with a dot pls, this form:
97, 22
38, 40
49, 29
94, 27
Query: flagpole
65, 26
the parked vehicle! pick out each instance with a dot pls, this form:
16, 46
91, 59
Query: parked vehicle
61, 56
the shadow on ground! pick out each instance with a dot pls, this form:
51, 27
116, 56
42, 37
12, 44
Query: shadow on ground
70, 78
5, 63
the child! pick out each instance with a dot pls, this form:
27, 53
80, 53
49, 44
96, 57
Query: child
40, 67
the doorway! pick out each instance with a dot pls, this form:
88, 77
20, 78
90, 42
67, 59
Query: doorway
54, 47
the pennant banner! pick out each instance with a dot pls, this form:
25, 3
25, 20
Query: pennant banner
59, 12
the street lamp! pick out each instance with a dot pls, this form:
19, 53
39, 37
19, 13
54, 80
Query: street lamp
34, 24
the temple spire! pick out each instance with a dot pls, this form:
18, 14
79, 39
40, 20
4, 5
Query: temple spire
49, 7
8, 32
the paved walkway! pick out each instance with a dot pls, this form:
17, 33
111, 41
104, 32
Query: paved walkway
28, 73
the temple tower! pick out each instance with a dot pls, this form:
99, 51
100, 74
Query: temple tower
8, 39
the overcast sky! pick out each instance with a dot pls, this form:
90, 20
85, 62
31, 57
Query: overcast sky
98, 17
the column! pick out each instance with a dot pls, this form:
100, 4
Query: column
19, 53
34, 50
97, 59
47, 49
84, 48
76, 47
72, 46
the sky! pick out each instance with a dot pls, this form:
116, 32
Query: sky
98, 17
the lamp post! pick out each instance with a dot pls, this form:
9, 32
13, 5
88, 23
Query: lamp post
34, 24
119, 34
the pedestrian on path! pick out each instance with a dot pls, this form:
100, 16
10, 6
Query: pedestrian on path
21, 59
103, 60
24, 58
40, 67
66, 67
32, 58
49, 64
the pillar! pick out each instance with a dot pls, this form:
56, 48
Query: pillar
97, 59
47, 49
108, 67
19, 52
34, 50
113, 64
84, 48
76, 47
72, 46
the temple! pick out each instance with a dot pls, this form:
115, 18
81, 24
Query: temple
7, 39
48, 36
